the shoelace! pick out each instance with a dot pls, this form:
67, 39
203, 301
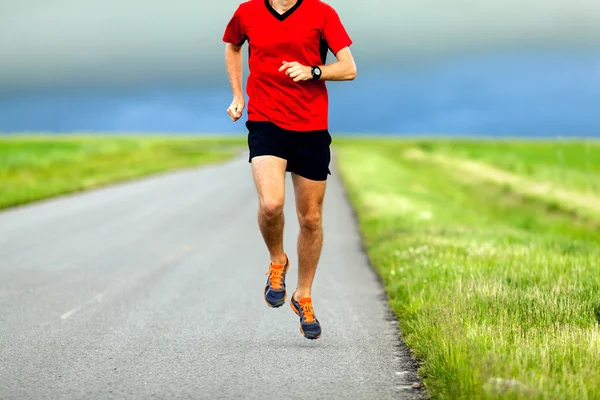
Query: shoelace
308, 312
276, 277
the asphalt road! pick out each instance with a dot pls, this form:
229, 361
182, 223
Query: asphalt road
153, 289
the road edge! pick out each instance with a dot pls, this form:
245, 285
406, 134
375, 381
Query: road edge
402, 353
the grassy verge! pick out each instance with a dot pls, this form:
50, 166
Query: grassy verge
497, 293
38, 167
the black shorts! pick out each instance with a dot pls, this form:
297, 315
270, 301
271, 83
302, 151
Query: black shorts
307, 152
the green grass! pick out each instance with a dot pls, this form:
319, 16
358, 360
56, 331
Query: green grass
38, 167
491, 286
570, 164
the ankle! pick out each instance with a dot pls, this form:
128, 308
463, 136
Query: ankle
302, 294
279, 258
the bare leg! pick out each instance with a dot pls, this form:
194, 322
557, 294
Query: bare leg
269, 177
309, 207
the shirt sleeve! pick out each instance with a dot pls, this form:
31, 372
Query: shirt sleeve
334, 32
234, 32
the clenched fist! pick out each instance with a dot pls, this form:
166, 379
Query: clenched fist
236, 108
296, 71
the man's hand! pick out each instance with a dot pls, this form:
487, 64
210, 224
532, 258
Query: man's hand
236, 108
296, 71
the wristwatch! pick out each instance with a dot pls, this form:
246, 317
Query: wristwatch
316, 73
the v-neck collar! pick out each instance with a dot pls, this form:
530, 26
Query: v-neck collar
286, 14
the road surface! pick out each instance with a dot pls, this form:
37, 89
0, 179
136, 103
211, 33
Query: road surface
154, 289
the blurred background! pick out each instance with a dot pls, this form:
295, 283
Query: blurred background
494, 67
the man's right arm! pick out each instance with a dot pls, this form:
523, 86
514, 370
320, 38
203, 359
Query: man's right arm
233, 62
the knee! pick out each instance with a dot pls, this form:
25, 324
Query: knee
271, 208
310, 221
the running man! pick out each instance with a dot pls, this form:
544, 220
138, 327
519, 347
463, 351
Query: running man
288, 126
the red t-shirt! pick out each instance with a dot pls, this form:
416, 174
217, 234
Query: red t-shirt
304, 34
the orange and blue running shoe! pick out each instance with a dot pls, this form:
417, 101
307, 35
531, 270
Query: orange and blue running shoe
275, 294
309, 325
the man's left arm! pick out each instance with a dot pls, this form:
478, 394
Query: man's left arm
344, 69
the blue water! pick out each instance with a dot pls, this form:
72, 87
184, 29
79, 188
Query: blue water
520, 93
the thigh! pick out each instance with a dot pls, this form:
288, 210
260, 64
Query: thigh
269, 177
309, 195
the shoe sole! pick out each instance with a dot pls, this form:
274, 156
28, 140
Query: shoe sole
277, 305
310, 337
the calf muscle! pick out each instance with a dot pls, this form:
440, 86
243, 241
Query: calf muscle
309, 208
